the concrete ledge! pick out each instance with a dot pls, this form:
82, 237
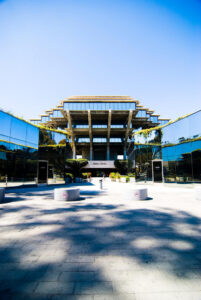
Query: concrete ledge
2, 194
66, 194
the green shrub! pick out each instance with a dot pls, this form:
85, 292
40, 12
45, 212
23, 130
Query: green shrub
131, 174
84, 175
112, 175
123, 166
118, 176
127, 179
69, 175
76, 165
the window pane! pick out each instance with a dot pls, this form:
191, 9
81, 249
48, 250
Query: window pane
5, 123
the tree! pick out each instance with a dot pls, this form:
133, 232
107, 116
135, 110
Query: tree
76, 165
123, 166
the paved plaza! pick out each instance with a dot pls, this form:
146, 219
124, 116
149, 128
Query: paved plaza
104, 246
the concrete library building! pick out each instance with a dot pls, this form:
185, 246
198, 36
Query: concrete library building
101, 129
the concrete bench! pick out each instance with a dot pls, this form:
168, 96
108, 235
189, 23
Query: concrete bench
2, 194
136, 194
197, 191
66, 194
140, 194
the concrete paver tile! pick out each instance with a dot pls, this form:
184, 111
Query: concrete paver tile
78, 276
55, 287
95, 287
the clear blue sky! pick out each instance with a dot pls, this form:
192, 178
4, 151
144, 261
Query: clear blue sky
147, 49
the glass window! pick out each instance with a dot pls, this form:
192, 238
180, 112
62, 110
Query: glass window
18, 129
5, 124
194, 125
32, 135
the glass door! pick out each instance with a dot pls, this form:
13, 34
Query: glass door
157, 171
42, 171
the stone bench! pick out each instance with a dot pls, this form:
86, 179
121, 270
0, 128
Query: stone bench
136, 194
197, 191
2, 194
66, 194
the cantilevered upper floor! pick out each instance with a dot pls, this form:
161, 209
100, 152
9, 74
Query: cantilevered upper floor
99, 107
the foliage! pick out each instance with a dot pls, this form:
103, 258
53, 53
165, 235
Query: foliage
76, 165
69, 175
118, 176
44, 138
56, 157
123, 166
127, 179
131, 174
112, 175
84, 175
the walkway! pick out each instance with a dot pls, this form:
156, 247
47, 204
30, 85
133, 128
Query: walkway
104, 246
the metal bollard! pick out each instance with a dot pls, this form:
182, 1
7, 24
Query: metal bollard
101, 183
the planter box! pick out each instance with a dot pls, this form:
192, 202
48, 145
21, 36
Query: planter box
132, 179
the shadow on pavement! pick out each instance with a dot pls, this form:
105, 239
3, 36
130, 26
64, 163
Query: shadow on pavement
168, 239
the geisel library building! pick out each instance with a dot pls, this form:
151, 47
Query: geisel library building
101, 129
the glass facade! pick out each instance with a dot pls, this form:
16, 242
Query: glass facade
163, 122
18, 150
17, 131
45, 119
154, 119
53, 150
99, 140
83, 140
51, 138
115, 140
23, 147
178, 145
141, 114
80, 126
36, 122
99, 105
118, 126
99, 126
57, 114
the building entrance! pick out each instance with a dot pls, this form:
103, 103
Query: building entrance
42, 171
157, 169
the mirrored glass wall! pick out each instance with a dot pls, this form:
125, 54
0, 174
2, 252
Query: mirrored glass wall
177, 145
18, 151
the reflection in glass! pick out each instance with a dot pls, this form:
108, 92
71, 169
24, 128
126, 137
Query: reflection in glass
180, 149
99, 106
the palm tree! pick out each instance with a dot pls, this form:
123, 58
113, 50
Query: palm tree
76, 165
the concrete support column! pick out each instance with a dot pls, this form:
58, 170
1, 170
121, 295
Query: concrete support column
74, 152
108, 152
91, 153
125, 157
